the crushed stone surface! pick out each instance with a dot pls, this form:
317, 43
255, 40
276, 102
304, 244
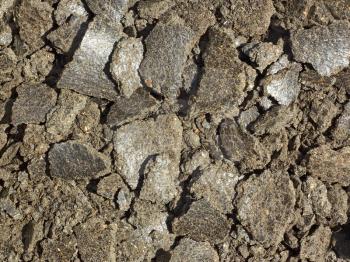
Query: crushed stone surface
174, 130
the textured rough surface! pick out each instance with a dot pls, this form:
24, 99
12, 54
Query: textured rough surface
137, 142
125, 64
33, 104
330, 165
262, 199
326, 48
75, 160
194, 251
168, 45
86, 73
174, 130
139, 105
202, 222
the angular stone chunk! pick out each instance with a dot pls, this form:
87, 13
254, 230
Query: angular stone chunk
108, 186
34, 20
216, 183
339, 201
159, 185
168, 46
125, 63
8, 60
248, 116
248, 17
315, 246
329, 165
202, 222
194, 251
239, 146
124, 110
136, 142
326, 48
284, 86
343, 80
225, 78
61, 119
70, 16
70, 9
5, 35
274, 120
86, 73
265, 205
74, 160
111, 10
342, 129
316, 192
154, 8
263, 53
95, 240
33, 103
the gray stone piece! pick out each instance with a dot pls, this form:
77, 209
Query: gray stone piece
61, 118
202, 222
87, 74
263, 53
75, 160
327, 48
315, 246
216, 183
136, 142
125, 63
160, 180
169, 44
33, 103
225, 79
284, 86
265, 205
329, 165
194, 251
139, 105
240, 146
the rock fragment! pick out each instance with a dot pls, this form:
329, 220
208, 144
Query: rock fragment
265, 205
8, 61
33, 103
239, 146
74, 160
61, 119
139, 105
316, 192
70, 16
169, 44
342, 130
202, 222
275, 120
91, 232
194, 251
284, 86
248, 18
225, 78
329, 165
159, 185
34, 20
315, 246
327, 48
263, 53
125, 63
111, 11
5, 35
136, 142
86, 73
339, 201
216, 183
